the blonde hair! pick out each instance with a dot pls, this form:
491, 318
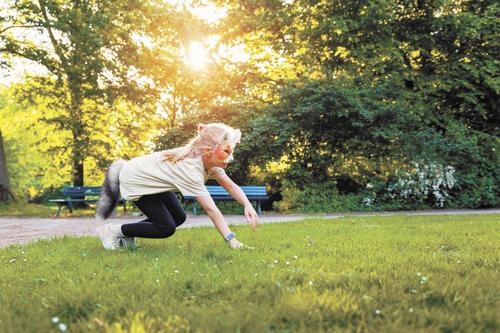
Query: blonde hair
209, 136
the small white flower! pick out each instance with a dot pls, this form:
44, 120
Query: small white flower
12, 260
458, 261
62, 327
418, 274
287, 263
377, 312
157, 281
276, 261
295, 257
55, 319
176, 272
310, 283
410, 310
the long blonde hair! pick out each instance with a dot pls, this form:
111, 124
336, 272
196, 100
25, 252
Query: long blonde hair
209, 136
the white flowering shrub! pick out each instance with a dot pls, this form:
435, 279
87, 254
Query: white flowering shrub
427, 182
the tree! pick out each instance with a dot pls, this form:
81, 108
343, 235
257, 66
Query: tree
88, 48
5, 192
408, 75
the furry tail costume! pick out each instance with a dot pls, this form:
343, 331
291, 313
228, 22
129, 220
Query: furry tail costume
110, 193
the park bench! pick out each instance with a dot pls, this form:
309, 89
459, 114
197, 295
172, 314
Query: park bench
218, 193
80, 194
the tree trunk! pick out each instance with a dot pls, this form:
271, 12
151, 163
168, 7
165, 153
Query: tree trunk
77, 172
5, 193
77, 129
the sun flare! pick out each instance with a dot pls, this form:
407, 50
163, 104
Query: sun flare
197, 55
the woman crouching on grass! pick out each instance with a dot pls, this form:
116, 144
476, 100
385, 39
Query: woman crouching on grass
151, 181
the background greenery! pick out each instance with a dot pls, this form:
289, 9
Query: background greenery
344, 105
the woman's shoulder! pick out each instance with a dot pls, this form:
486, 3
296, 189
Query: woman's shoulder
216, 171
188, 163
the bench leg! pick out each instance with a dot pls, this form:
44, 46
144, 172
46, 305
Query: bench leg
259, 210
70, 206
194, 208
59, 206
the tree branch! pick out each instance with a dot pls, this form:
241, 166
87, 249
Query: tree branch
44, 62
53, 40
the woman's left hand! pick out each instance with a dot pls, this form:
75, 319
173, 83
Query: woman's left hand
235, 244
251, 216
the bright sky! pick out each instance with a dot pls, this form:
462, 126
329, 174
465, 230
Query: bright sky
197, 55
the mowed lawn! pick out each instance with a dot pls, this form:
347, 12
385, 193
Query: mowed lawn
354, 274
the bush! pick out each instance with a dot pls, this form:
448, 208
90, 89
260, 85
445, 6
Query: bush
316, 198
426, 185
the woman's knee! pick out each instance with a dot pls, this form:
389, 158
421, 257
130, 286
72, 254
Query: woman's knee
180, 217
165, 232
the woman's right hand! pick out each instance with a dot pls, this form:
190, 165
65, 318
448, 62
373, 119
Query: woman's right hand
235, 244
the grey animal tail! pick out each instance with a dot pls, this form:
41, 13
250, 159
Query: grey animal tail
110, 192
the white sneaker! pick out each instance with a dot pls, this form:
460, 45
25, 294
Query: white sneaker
108, 240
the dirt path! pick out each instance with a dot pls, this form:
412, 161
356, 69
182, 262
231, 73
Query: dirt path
25, 230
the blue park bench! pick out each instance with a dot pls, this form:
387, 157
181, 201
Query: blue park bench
218, 193
80, 194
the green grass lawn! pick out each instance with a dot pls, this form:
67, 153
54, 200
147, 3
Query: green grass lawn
362, 274
23, 209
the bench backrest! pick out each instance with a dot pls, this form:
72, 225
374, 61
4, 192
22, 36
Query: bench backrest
81, 191
251, 191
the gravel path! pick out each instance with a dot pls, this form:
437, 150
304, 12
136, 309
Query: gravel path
25, 230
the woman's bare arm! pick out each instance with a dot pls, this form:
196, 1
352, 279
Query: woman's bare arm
208, 204
237, 193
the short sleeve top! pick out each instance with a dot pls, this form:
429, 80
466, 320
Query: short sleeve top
152, 174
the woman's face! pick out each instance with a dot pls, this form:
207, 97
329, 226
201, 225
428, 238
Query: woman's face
222, 155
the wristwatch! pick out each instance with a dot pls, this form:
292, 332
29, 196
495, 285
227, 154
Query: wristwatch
229, 236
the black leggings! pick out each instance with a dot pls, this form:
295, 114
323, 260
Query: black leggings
164, 213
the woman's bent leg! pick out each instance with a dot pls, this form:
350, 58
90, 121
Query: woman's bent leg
160, 223
173, 205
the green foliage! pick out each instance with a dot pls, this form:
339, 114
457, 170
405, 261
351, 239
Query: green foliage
333, 92
38, 157
89, 54
315, 198
377, 85
385, 274
33, 168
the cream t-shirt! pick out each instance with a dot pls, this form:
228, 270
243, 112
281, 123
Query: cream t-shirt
151, 174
